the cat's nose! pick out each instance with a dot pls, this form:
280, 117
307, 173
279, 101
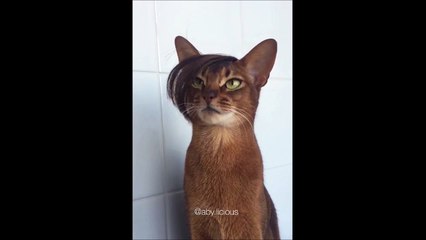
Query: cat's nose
209, 95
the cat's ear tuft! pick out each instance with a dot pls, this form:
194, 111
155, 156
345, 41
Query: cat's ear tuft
260, 60
185, 49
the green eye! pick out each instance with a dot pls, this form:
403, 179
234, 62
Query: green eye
197, 83
233, 84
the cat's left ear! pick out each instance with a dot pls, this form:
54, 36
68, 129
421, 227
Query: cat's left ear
185, 49
260, 60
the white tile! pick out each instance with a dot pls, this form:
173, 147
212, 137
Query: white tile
269, 19
211, 26
273, 123
145, 56
177, 136
148, 162
149, 218
278, 181
177, 227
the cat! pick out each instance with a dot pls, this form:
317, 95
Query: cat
223, 182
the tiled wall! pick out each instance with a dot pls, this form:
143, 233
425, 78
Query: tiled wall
160, 133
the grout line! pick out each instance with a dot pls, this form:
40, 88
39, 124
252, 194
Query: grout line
162, 123
152, 195
174, 192
158, 194
165, 182
241, 29
156, 35
281, 78
145, 71
279, 166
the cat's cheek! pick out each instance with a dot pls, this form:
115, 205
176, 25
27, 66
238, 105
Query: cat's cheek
237, 96
197, 98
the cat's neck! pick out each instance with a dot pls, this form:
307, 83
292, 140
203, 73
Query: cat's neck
224, 148
220, 136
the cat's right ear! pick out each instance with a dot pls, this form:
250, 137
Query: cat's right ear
185, 49
260, 60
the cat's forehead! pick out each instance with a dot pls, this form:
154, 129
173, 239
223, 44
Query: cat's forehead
219, 74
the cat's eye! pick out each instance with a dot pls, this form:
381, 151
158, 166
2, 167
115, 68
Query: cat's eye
197, 83
233, 84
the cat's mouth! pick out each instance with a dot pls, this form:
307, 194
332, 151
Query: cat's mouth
213, 116
210, 109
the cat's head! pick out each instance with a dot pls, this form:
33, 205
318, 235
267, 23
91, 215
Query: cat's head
219, 90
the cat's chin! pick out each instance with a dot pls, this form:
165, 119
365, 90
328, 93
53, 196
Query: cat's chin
225, 119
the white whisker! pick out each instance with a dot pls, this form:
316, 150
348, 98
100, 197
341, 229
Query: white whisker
240, 113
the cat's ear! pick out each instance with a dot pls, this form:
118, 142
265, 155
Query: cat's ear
185, 49
260, 60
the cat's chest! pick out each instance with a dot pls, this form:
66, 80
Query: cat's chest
220, 190
214, 188
216, 164
220, 173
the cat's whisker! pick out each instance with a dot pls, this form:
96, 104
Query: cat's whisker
241, 120
240, 114
191, 109
241, 123
186, 104
244, 111
247, 115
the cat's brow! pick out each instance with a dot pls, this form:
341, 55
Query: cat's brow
224, 75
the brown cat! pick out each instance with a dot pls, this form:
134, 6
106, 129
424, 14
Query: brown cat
223, 183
